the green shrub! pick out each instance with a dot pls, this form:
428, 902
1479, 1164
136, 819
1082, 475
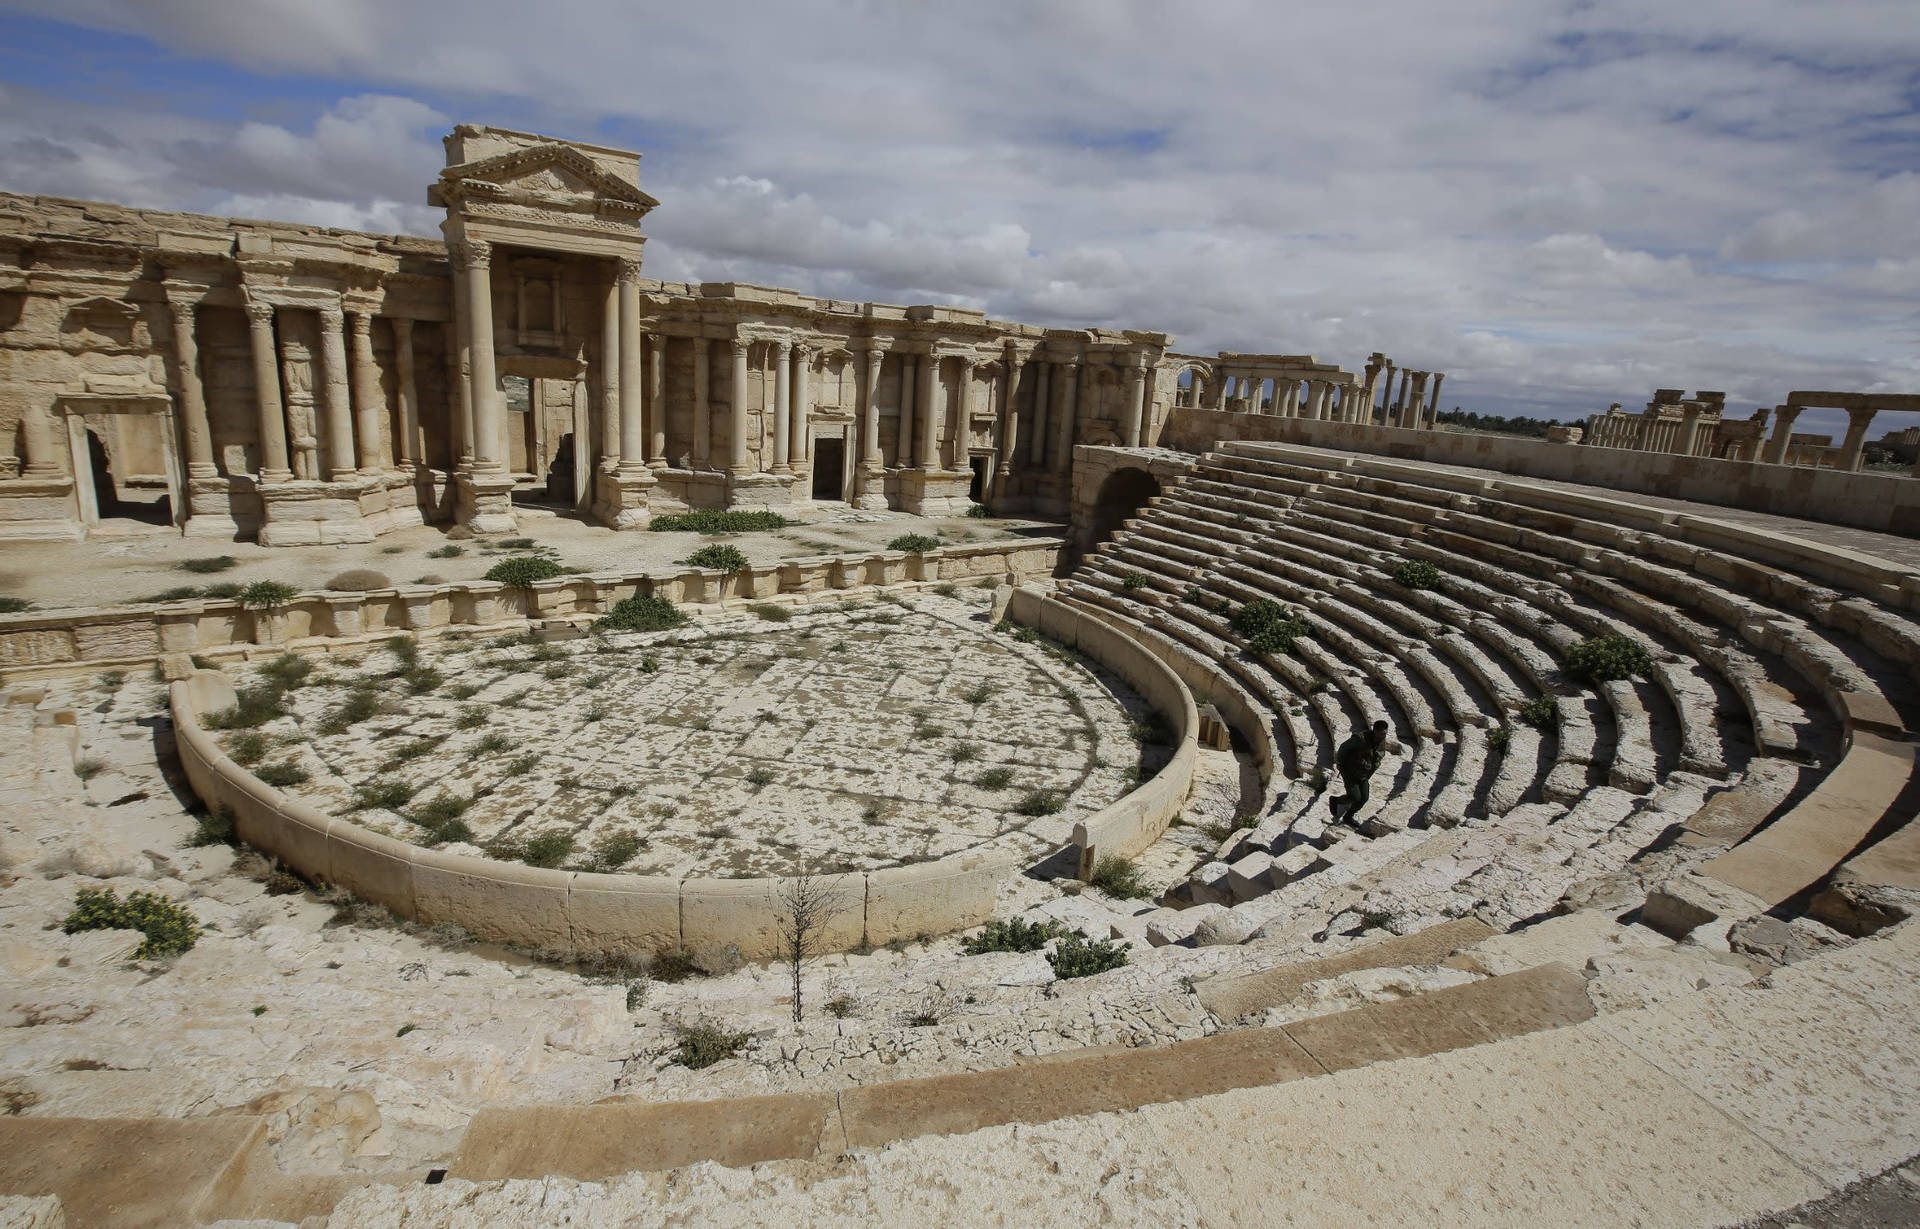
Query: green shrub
979, 512
169, 928
1038, 802
360, 704
1012, 935
1133, 580
1540, 712
547, 849
758, 775
252, 706
672, 965
359, 580
404, 648
771, 612
422, 679
964, 753
288, 671
703, 1044
212, 563
213, 828
714, 521
641, 613
267, 595
282, 774
718, 556
521, 571
14, 605
384, 794
1269, 627
247, 748
471, 718
1416, 574
451, 550
613, 850
994, 779
1603, 659
1118, 877
1498, 739
1078, 957
914, 543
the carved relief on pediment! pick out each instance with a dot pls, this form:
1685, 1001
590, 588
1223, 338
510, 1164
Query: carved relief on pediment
102, 323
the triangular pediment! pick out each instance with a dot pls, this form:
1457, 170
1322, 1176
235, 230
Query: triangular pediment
553, 175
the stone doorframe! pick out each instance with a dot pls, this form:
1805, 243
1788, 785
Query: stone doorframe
849, 467
76, 406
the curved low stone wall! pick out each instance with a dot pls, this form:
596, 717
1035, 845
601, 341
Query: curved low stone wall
129, 635
579, 911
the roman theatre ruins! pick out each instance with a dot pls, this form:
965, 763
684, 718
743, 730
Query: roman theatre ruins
1017, 707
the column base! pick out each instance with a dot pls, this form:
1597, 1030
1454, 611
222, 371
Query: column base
759, 491
936, 492
483, 504
318, 513
622, 498
210, 509
36, 509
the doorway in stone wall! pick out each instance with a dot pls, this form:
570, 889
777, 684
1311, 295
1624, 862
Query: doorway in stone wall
829, 462
977, 489
127, 475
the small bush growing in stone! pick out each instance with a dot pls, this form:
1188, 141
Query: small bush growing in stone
1603, 659
717, 556
252, 706
772, 613
288, 670
1416, 574
716, 521
914, 543
422, 679
521, 571
1540, 713
382, 794
360, 704
979, 693
211, 563
1038, 802
247, 748
1269, 627
1498, 739
267, 595
558, 670
451, 550
701, 1045
547, 849
1133, 580
759, 776
282, 774
1012, 935
464, 691
1079, 957
641, 613
87, 767
649, 664
840, 1006
613, 850
470, 718
994, 779
359, 580
169, 928
672, 965
14, 605
492, 744
522, 765
213, 828
1118, 877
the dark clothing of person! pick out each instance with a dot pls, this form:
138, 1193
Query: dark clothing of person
1357, 759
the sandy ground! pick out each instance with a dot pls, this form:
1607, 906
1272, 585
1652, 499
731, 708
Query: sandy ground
110, 571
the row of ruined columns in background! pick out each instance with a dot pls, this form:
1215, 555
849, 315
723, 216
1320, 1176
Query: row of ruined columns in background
1323, 398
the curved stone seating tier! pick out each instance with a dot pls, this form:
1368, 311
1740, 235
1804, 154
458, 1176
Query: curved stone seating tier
1744, 657
584, 912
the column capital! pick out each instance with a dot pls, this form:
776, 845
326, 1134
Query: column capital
627, 270
785, 347
360, 320
472, 253
740, 345
332, 316
181, 309
259, 311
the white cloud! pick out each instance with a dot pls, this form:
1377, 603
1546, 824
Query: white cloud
1561, 205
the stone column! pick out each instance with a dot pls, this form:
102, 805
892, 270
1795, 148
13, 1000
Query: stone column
409, 392
870, 407
489, 407
1433, 402
1010, 410
1136, 402
1855, 444
702, 404
903, 430
1293, 399
369, 403
633, 423
459, 373
1220, 382
193, 398
737, 409
610, 433
800, 448
1042, 419
1386, 393
656, 401
929, 424
336, 405
960, 426
1400, 398
1688, 436
1416, 398
782, 407
1782, 439
274, 466
41, 461
1069, 380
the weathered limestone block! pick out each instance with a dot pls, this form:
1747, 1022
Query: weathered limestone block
1681, 906
1251, 876
133, 636
1209, 885
624, 914
1172, 926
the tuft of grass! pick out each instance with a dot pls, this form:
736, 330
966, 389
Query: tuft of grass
964, 753
1133, 580
1118, 877
287, 671
546, 849
382, 794
360, 704
979, 693
1269, 627
701, 1045
471, 718
758, 775
614, 849
716, 521
211, 563
87, 767
213, 828
450, 551
14, 605
247, 748
252, 706
994, 779
772, 613
283, 774
914, 543
1038, 802
266, 595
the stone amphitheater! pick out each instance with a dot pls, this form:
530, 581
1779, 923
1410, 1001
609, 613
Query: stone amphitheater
492, 885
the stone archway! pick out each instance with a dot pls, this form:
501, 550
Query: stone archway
1123, 494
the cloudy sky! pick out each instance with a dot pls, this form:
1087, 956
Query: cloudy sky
1561, 204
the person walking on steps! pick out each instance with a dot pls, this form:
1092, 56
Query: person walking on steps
1358, 759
